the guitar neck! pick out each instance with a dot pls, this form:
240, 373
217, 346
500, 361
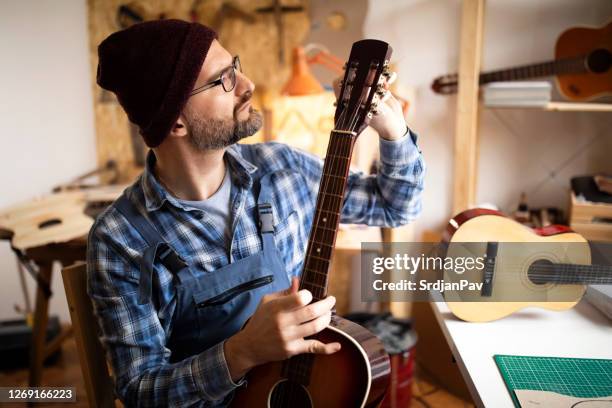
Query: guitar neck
327, 214
543, 69
575, 274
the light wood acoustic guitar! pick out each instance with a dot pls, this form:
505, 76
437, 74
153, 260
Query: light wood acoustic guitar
582, 66
358, 374
549, 269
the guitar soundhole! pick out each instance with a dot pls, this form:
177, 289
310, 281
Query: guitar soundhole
539, 272
289, 394
599, 61
49, 223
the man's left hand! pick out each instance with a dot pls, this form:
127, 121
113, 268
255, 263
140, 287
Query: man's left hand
389, 120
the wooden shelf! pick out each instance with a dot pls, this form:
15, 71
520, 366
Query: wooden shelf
466, 142
563, 107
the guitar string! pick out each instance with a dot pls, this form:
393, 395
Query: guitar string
303, 363
300, 367
295, 367
604, 274
289, 367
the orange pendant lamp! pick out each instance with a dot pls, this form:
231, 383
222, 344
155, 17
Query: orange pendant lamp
301, 82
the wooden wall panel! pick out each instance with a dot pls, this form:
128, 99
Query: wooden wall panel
256, 41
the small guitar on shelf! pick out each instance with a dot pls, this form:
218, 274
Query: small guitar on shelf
358, 374
582, 66
547, 267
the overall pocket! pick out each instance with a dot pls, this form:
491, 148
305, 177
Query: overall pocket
228, 295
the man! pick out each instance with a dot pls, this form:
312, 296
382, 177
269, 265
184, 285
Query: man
193, 271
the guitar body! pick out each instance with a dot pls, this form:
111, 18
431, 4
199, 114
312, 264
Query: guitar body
582, 41
511, 271
356, 376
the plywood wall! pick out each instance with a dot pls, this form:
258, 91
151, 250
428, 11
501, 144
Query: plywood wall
244, 29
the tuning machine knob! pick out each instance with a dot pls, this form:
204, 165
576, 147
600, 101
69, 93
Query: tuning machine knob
386, 72
373, 108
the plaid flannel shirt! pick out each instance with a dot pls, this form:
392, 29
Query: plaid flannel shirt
135, 336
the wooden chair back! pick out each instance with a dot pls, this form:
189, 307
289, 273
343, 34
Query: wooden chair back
96, 375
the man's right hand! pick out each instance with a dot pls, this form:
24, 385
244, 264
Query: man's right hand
277, 329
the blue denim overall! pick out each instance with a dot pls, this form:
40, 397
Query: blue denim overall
211, 306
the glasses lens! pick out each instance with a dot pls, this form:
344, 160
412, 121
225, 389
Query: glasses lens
237, 65
228, 79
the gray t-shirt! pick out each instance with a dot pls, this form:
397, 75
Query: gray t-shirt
217, 206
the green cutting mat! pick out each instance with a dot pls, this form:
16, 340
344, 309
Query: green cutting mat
580, 377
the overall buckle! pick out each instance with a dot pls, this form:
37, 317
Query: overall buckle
266, 219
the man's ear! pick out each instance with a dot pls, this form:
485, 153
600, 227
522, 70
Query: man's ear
179, 129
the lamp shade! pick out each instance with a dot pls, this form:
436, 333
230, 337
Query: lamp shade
301, 82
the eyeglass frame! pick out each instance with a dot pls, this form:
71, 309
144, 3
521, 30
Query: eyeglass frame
236, 66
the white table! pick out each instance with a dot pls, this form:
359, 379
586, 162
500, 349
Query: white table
581, 332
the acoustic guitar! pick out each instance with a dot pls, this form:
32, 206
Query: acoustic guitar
549, 270
582, 66
358, 374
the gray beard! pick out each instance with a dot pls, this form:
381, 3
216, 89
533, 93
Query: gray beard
213, 134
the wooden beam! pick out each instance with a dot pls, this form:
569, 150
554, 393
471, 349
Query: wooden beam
466, 131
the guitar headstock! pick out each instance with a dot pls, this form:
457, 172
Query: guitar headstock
365, 73
445, 84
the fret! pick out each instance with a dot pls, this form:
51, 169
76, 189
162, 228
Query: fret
331, 201
311, 283
323, 228
313, 280
341, 178
321, 266
317, 290
321, 259
315, 271
328, 212
325, 193
337, 156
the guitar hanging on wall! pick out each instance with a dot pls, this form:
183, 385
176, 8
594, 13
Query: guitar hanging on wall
358, 374
582, 66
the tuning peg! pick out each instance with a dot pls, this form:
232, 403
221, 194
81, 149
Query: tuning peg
380, 90
373, 108
386, 72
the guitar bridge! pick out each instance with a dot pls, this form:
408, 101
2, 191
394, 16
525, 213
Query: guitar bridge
489, 269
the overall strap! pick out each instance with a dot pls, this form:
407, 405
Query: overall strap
157, 248
265, 211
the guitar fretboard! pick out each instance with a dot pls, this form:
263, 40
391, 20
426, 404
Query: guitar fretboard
327, 214
557, 67
571, 274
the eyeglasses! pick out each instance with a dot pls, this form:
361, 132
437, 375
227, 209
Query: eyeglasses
227, 79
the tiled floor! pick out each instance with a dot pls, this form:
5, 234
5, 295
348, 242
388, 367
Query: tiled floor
66, 372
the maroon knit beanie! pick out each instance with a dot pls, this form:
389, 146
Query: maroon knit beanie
152, 67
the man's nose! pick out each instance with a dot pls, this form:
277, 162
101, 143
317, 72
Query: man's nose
243, 84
